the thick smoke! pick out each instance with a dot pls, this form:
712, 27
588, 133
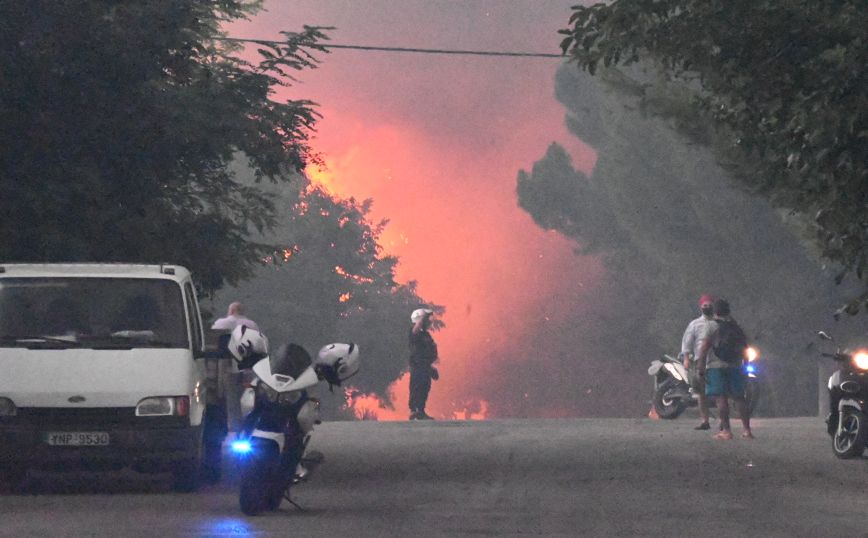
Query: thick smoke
670, 223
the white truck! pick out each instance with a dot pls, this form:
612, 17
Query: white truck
101, 366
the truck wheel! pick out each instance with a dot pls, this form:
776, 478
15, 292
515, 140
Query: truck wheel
13, 478
212, 438
186, 477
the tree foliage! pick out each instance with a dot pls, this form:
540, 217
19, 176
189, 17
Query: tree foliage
330, 281
668, 223
118, 122
784, 80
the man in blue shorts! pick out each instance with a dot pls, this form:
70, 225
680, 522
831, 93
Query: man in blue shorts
724, 376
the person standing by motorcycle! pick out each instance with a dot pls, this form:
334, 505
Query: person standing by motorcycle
724, 375
423, 353
690, 347
223, 383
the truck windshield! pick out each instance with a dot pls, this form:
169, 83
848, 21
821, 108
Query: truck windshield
92, 312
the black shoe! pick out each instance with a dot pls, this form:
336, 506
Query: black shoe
703, 426
421, 415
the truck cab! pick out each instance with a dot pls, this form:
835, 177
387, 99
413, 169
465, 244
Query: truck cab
102, 367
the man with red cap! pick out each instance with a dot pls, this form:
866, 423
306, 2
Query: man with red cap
690, 347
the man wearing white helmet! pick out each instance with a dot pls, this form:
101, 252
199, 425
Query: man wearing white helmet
423, 354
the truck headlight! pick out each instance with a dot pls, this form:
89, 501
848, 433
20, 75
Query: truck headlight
161, 406
7, 408
860, 359
751, 354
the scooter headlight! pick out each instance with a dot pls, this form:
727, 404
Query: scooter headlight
751, 354
860, 359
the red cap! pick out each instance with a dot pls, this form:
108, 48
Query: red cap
705, 299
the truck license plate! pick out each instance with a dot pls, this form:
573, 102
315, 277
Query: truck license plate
78, 438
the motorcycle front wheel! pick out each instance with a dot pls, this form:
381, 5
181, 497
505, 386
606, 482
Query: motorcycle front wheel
752, 394
849, 439
256, 482
252, 497
667, 406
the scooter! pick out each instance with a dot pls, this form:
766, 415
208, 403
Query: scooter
847, 422
672, 392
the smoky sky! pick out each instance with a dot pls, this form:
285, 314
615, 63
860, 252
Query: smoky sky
670, 223
559, 290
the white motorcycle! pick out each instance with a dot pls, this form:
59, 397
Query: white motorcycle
672, 392
272, 445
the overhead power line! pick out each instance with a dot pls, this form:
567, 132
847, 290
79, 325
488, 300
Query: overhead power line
405, 49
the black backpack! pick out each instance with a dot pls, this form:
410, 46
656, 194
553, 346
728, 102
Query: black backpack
732, 342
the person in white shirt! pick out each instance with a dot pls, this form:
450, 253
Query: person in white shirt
224, 383
234, 317
690, 347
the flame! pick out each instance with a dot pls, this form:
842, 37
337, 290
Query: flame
444, 176
369, 406
320, 175
349, 276
345, 297
281, 255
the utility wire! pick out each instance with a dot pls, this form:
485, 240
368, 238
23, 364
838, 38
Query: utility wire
405, 49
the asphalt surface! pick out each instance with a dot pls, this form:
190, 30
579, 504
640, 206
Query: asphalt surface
584, 477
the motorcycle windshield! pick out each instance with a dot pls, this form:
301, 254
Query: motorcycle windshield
290, 360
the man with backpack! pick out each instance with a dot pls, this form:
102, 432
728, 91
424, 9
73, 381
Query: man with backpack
724, 377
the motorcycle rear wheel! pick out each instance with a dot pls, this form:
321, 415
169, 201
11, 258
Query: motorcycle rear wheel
667, 407
849, 440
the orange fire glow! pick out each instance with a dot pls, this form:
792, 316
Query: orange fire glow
366, 406
349, 276
437, 144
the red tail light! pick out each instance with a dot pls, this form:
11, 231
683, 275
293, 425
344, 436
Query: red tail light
182, 406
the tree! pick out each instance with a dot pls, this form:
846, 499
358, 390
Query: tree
118, 122
668, 223
786, 83
329, 281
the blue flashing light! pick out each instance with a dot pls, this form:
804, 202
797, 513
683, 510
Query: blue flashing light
750, 368
241, 446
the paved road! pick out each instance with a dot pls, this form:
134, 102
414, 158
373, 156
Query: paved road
505, 477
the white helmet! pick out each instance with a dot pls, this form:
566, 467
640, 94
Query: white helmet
337, 362
419, 313
247, 345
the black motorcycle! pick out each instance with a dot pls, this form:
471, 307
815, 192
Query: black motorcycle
847, 422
